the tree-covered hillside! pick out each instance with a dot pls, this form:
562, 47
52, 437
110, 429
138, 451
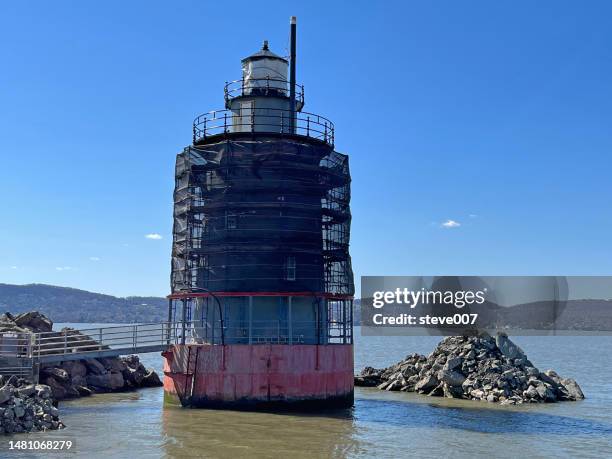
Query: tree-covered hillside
63, 304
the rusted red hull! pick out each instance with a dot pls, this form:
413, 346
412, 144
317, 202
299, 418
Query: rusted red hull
254, 376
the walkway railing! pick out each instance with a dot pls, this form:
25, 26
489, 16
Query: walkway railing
125, 338
16, 354
70, 344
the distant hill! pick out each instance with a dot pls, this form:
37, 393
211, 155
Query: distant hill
63, 304
357, 311
584, 315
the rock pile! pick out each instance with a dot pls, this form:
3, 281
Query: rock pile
26, 407
79, 378
474, 368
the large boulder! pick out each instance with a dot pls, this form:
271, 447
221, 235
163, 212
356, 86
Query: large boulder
116, 380
453, 362
74, 368
568, 388
78, 380
132, 361
5, 393
106, 382
113, 364
26, 390
43, 391
95, 367
58, 390
510, 350
572, 389
452, 378
134, 376
84, 391
426, 383
59, 374
151, 379
34, 321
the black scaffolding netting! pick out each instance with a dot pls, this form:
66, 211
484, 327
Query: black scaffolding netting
270, 215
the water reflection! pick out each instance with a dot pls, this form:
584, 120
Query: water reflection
220, 433
375, 427
483, 420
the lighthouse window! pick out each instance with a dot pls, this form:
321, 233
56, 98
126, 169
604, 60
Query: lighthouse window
290, 269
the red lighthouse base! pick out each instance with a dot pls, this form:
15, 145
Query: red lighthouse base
258, 376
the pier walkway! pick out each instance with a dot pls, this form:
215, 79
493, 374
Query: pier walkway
21, 353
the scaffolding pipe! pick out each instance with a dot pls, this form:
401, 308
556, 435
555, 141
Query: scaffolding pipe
183, 325
293, 25
169, 321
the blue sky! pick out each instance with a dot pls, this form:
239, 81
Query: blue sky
495, 115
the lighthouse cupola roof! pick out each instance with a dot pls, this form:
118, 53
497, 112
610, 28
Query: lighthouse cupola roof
264, 53
264, 64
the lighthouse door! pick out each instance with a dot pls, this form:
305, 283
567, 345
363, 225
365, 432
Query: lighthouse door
244, 120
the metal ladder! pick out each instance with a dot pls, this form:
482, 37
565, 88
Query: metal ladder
190, 376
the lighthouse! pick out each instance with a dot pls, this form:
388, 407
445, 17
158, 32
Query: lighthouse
261, 279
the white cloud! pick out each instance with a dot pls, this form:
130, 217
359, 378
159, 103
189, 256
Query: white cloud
94, 258
154, 236
64, 268
13, 267
451, 224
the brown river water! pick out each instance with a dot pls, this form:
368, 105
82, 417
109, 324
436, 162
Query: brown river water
381, 424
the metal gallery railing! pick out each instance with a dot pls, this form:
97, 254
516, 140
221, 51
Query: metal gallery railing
266, 87
263, 120
281, 331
